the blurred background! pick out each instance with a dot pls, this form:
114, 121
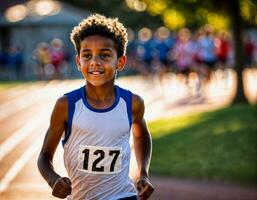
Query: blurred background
193, 61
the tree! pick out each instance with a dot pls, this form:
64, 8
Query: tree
236, 23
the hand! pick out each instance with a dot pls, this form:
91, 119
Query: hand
145, 188
62, 187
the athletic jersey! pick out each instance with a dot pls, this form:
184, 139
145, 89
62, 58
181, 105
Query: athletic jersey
96, 147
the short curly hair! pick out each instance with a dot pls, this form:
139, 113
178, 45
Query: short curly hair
97, 24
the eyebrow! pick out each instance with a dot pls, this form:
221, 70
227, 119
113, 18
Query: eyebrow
105, 49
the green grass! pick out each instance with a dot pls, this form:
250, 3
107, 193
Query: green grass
219, 145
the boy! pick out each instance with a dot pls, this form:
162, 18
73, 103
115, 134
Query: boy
97, 119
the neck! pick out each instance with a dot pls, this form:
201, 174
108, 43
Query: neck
100, 93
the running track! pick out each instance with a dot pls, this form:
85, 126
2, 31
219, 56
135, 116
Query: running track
24, 116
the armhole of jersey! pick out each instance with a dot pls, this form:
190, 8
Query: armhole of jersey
73, 97
127, 96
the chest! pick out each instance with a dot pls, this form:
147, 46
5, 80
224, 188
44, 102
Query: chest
100, 125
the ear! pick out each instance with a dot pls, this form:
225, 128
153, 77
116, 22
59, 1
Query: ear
121, 63
78, 63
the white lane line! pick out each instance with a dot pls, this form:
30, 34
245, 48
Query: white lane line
12, 141
19, 164
9, 144
24, 101
19, 90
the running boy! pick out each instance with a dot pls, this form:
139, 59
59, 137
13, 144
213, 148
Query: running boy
97, 119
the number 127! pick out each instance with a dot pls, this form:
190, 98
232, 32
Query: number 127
101, 156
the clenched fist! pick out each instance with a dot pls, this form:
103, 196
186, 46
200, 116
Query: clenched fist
62, 187
145, 188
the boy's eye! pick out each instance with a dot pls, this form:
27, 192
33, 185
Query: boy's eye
86, 56
105, 55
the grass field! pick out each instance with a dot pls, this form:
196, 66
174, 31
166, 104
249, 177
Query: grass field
219, 145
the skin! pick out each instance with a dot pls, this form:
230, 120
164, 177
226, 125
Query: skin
98, 63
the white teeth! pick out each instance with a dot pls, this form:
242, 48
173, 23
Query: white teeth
95, 73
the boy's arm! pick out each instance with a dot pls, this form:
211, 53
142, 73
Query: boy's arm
142, 146
61, 185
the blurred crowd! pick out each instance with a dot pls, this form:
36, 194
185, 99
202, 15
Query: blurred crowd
187, 54
150, 53
186, 51
52, 60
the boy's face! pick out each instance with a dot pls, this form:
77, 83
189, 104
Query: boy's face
98, 60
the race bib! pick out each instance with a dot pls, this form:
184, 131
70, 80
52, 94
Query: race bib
100, 160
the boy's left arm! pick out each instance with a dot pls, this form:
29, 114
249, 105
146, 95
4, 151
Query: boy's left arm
142, 146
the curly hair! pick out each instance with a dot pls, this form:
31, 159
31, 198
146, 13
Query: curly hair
97, 24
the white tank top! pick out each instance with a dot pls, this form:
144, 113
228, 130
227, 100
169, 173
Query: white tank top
96, 147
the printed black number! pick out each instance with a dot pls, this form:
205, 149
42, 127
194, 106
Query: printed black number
86, 156
116, 154
94, 167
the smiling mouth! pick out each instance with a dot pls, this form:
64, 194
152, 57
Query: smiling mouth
96, 73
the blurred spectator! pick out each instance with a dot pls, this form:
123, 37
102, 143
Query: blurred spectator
249, 48
222, 46
11, 62
4, 58
144, 50
4, 62
183, 52
42, 55
162, 44
207, 48
15, 62
58, 58
132, 63
222, 49
52, 60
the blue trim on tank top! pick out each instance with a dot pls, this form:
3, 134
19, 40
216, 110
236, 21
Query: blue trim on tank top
127, 96
72, 97
116, 101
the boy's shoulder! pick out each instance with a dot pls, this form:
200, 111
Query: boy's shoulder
75, 94
136, 100
61, 106
134, 97
69, 98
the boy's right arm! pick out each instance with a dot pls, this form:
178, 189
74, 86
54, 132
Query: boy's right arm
61, 185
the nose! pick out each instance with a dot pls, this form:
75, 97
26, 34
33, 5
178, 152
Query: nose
95, 61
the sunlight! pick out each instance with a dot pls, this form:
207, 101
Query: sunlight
156, 7
41, 8
217, 21
173, 19
245, 10
16, 13
47, 7
136, 5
